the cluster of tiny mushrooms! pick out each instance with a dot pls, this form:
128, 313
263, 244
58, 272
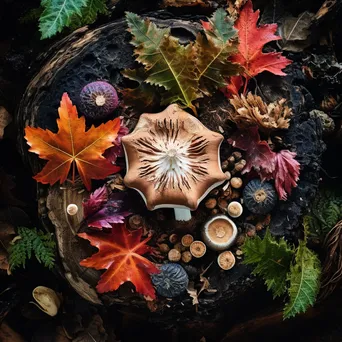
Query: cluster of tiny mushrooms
173, 161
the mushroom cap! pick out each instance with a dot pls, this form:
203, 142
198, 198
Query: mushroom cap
171, 281
98, 100
47, 299
226, 260
198, 249
172, 159
187, 240
259, 197
219, 232
235, 209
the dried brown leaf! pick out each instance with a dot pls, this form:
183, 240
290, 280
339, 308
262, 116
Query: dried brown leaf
253, 111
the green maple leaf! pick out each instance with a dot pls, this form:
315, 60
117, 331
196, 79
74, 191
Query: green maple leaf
169, 64
272, 259
57, 14
213, 50
304, 281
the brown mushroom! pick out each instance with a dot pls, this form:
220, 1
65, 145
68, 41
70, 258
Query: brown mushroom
72, 209
236, 182
173, 160
219, 232
226, 260
186, 257
198, 249
187, 240
173, 238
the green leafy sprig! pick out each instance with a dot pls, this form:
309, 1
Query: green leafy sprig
28, 242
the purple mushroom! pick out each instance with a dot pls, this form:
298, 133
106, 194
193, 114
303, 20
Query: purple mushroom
98, 100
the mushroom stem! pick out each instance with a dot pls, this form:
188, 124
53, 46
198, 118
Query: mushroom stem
182, 214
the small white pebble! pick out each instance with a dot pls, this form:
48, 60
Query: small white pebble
72, 209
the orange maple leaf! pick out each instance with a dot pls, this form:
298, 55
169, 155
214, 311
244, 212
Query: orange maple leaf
251, 42
120, 253
72, 145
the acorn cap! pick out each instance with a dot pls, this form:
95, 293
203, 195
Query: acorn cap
226, 260
47, 300
219, 232
187, 240
235, 209
198, 249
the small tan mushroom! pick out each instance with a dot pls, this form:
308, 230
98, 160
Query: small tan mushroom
173, 238
164, 248
235, 209
187, 240
198, 249
210, 203
219, 232
236, 182
186, 257
226, 260
135, 221
47, 300
72, 209
174, 255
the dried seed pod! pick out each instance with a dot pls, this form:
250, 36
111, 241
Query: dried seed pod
226, 260
171, 281
72, 209
236, 182
163, 247
173, 238
235, 209
186, 257
187, 240
98, 100
135, 221
237, 155
47, 300
174, 255
219, 232
210, 203
198, 249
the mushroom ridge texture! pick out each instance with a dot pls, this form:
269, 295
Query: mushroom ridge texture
172, 159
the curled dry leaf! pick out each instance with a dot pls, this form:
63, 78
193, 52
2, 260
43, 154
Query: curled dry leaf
73, 146
5, 119
295, 32
253, 111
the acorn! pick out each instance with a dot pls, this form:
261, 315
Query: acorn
72, 209
198, 249
171, 281
98, 100
174, 255
235, 209
187, 240
259, 197
226, 260
186, 257
239, 166
210, 203
236, 182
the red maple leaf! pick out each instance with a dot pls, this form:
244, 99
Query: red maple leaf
72, 146
280, 166
286, 173
252, 39
120, 253
101, 210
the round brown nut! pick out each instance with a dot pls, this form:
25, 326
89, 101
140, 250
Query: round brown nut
174, 255
236, 182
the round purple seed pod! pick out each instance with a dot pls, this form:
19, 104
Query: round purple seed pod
98, 100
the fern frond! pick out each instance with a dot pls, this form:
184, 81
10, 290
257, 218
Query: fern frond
28, 241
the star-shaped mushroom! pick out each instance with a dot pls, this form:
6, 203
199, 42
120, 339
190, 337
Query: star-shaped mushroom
172, 159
